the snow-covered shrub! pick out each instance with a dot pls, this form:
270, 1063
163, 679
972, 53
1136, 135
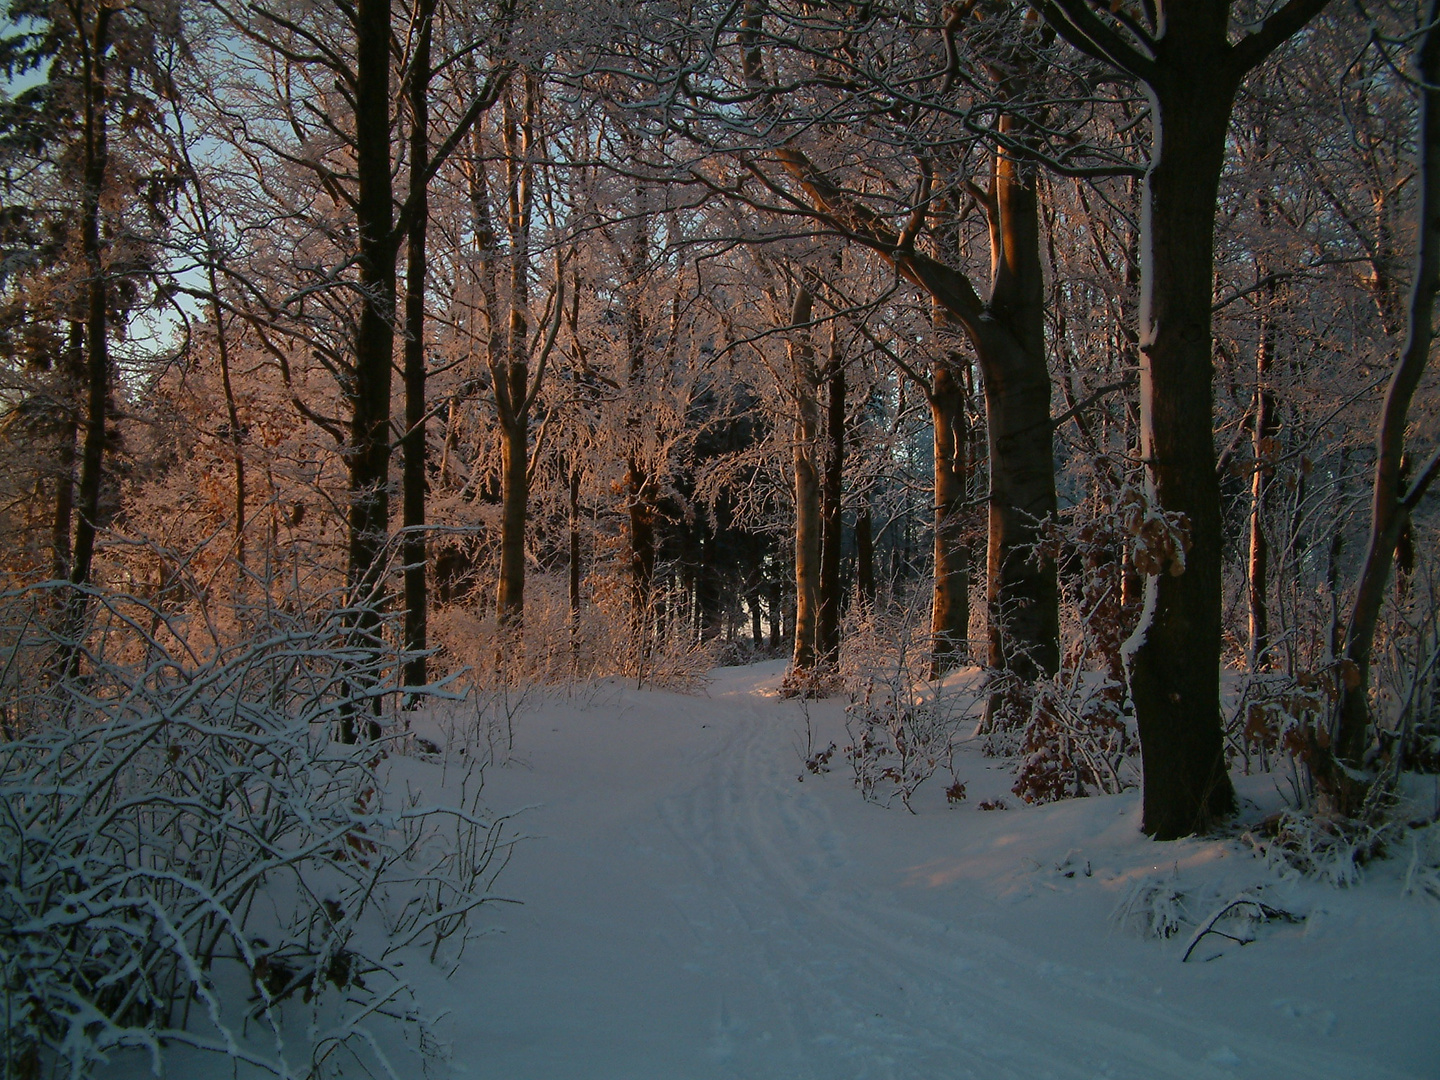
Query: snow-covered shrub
1073, 732
1281, 718
189, 858
1155, 906
898, 739
1078, 741
902, 725
1422, 871
1331, 850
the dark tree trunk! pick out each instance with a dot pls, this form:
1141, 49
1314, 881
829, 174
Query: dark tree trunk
1175, 670
513, 392
777, 616
95, 167
97, 357
574, 568
514, 500
1192, 71
369, 450
413, 553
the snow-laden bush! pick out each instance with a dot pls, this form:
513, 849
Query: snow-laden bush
189, 858
902, 725
1078, 741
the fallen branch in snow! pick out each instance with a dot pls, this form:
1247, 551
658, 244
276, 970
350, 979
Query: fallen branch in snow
1262, 912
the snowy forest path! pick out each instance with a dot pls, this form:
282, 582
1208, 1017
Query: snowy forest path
692, 911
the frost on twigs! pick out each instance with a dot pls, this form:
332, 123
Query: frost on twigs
1078, 740
1155, 906
189, 859
1332, 850
1077, 736
902, 726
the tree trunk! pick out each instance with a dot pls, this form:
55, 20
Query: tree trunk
777, 616
1022, 588
369, 450
1264, 430
95, 170
807, 484
514, 501
1191, 73
827, 637
950, 609
65, 466
512, 374
865, 555
413, 548
97, 357
1175, 652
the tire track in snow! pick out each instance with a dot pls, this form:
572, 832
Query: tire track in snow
848, 984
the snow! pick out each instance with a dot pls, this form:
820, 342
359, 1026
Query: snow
693, 910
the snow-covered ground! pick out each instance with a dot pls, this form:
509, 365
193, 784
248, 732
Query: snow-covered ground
691, 910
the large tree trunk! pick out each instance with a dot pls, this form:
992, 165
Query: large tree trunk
369, 450
95, 169
807, 484
1008, 337
1191, 71
413, 551
639, 493
512, 377
1022, 588
950, 608
514, 501
1175, 653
